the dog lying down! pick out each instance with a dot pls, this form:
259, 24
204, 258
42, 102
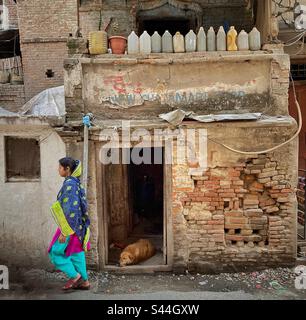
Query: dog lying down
136, 252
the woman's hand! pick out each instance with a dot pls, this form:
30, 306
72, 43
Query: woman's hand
62, 239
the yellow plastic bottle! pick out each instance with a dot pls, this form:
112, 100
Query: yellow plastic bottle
231, 39
98, 42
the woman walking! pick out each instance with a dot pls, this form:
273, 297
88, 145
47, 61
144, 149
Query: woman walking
71, 239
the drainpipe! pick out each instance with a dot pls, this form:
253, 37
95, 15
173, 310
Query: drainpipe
87, 125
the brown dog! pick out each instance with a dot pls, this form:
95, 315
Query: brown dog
136, 252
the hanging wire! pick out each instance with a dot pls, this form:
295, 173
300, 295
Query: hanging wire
300, 122
295, 39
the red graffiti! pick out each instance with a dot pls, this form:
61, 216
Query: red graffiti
119, 85
117, 82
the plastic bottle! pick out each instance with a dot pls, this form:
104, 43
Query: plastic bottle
201, 40
191, 41
167, 42
156, 42
221, 40
133, 43
243, 41
98, 42
145, 43
211, 39
231, 39
178, 43
254, 40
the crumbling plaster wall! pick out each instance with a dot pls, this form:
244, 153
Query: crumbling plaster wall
204, 84
27, 226
241, 212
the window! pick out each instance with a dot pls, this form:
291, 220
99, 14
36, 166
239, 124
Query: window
298, 71
22, 159
49, 73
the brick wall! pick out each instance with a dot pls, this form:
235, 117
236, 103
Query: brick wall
46, 19
37, 58
235, 216
44, 28
12, 97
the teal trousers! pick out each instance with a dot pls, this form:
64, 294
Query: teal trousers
71, 265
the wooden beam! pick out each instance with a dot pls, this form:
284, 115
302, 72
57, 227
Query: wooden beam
263, 19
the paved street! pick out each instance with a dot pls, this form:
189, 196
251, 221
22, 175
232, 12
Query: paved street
264, 285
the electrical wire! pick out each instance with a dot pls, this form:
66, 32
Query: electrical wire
295, 39
276, 147
302, 46
280, 5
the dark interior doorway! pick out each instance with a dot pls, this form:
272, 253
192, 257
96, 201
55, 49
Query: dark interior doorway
146, 183
161, 25
134, 201
170, 16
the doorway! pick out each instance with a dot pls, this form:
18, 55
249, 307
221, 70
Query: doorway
161, 25
172, 16
135, 207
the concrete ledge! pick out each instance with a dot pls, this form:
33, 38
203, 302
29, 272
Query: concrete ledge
31, 120
170, 58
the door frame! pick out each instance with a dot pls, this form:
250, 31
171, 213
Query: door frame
103, 217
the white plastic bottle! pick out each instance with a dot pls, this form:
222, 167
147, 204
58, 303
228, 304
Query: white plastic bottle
156, 42
167, 42
211, 39
243, 41
190, 41
221, 40
133, 43
201, 40
145, 43
254, 40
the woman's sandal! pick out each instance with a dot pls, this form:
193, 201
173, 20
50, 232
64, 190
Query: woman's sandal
80, 285
70, 283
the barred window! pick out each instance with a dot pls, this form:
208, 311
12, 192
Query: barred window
298, 71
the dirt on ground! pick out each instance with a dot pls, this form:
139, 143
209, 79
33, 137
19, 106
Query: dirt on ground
267, 284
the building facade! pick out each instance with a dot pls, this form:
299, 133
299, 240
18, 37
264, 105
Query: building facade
239, 209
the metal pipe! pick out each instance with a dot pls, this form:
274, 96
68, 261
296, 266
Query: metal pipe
85, 158
87, 124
